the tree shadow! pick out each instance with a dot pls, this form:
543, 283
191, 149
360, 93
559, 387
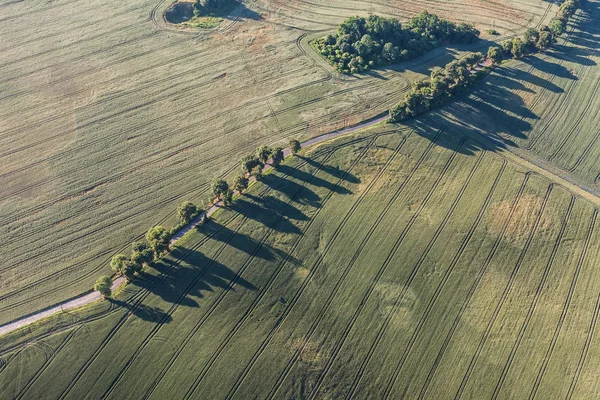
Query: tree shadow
143, 311
242, 12
275, 180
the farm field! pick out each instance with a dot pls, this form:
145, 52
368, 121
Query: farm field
546, 104
394, 262
109, 119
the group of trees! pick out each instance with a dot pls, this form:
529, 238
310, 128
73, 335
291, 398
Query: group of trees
459, 75
535, 39
208, 7
440, 88
158, 238
365, 43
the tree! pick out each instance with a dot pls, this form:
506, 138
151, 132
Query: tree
545, 40
495, 54
257, 173
158, 238
263, 153
186, 212
103, 285
507, 47
250, 162
119, 263
295, 146
517, 48
139, 246
557, 27
228, 197
531, 36
219, 186
240, 183
143, 257
277, 156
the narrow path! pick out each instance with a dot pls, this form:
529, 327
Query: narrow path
90, 297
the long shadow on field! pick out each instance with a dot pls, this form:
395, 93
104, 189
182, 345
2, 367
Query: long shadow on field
189, 274
242, 12
335, 173
143, 311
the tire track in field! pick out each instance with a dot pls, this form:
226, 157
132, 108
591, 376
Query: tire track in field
126, 29
173, 307
565, 308
345, 333
52, 8
535, 300
382, 330
32, 381
584, 351
200, 244
215, 355
577, 123
221, 295
585, 153
307, 280
473, 288
505, 294
442, 283
159, 279
325, 307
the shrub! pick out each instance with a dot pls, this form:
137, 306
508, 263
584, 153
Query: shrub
103, 285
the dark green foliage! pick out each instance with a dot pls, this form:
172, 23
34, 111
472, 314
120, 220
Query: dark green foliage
139, 247
518, 48
557, 27
365, 43
211, 7
142, 257
257, 173
228, 197
277, 156
493, 32
219, 186
545, 40
250, 162
495, 54
103, 285
295, 145
158, 238
118, 263
186, 212
263, 153
531, 36
443, 85
240, 183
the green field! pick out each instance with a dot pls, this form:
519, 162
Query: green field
385, 264
110, 118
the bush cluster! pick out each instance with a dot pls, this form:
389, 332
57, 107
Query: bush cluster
365, 43
209, 7
440, 88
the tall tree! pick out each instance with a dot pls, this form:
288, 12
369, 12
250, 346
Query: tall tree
277, 156
186, 212
158, 238
103, 285
219, 186
295, 146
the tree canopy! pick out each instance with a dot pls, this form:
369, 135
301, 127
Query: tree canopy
103, 285
365, 43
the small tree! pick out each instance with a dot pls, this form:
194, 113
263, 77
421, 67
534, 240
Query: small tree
517, 48
277, 156
531, 36
294, 146
249, 163
103, 285
228, 197
557, 27
257, 173
158, 238
240, 183
186, 212
495, 54
545, 41
263, 153
119, 263
219, 186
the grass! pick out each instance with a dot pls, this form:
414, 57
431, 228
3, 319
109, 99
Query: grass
204, 22
108, 125
393, 262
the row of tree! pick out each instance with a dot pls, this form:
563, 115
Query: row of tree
442, 85
158, 238
460, 75
365, 43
